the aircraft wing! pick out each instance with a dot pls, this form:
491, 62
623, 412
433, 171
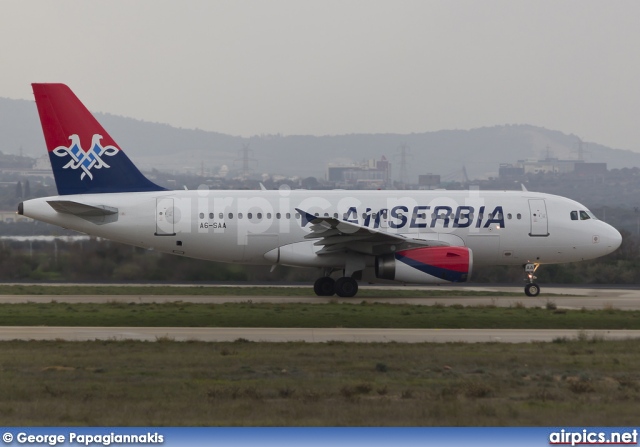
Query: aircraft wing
336, 235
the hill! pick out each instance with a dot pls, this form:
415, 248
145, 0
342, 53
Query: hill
445, 152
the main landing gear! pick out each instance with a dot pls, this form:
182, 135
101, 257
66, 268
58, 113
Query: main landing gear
345, 287
324, 286
531, 289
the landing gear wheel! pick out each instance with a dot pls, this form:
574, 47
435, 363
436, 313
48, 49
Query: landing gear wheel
324, 286
346, 287
532, 289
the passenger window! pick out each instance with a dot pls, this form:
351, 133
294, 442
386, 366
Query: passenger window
239, 215
519, 216
201, 215
509, 216
584, 215
210, 215
335, 215
277, 215
268, 215
221, 215
259, 215
230, 215
574, 215
249, 215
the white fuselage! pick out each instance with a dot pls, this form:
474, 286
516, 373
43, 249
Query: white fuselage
512, 227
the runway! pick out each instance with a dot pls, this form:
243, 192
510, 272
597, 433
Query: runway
562, 297
323, 335
567, 298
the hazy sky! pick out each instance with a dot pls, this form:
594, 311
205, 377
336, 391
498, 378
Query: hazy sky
334, 67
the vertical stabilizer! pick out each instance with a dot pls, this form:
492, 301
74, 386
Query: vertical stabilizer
84, 157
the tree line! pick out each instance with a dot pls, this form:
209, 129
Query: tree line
102, 260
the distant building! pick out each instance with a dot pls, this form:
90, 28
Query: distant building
42, 164
522, 167
368, 174
588, 169
548, 165
428, 181
337, 173
13, 217
509, 171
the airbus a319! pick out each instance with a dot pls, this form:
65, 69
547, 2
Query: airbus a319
418, 237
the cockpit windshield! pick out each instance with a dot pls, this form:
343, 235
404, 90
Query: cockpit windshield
582, 215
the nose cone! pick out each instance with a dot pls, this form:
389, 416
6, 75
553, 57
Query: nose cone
611, 239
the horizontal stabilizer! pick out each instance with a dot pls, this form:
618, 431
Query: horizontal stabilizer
98, 214
81, 209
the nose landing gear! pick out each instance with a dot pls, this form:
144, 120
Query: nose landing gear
531, 289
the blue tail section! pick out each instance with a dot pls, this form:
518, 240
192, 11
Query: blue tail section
84, 157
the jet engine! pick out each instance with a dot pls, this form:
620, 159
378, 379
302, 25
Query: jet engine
426, 265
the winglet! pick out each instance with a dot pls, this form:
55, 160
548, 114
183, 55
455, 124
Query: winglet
306, 217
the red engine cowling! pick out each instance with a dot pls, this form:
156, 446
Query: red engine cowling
428, 265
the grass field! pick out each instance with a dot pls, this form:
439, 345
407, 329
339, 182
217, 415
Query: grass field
581, 382
568, 383
333, 314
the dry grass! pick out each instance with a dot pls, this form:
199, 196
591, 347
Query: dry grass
576, 382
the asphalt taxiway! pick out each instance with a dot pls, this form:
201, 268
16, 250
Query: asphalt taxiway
308, 335
561, 297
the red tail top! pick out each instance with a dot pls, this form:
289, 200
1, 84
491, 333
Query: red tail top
62, 114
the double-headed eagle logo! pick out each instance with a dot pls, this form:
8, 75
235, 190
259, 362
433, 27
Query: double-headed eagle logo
85, 160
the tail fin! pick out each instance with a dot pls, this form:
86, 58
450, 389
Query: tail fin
84, 158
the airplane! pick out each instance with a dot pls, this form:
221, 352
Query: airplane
416, 237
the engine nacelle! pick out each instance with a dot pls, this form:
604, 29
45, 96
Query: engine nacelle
427, 265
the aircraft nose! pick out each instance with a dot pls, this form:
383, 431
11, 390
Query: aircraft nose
613, 239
